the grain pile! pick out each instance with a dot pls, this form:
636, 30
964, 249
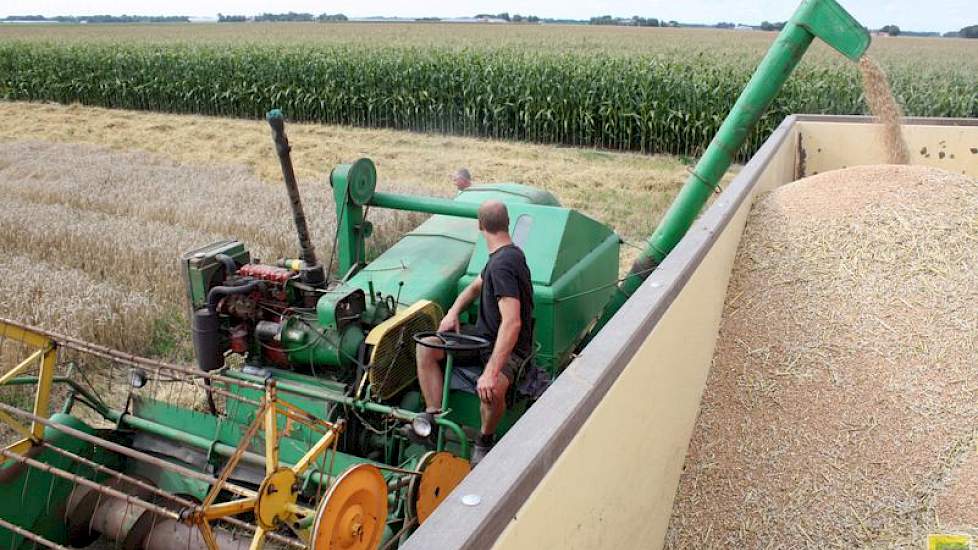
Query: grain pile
841, 402
879, 98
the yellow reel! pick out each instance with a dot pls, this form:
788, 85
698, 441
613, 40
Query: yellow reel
353, 514
441, 472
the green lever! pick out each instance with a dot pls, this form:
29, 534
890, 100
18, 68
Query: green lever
824, 19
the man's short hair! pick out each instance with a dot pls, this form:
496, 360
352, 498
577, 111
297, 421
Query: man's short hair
463, 173
493, 217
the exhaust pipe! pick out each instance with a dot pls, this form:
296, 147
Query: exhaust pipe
313, 273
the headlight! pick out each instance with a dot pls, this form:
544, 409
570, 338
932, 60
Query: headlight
421, 426
137, 378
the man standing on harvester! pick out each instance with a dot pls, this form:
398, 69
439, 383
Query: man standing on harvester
505, 318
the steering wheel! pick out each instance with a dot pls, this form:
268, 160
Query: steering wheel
451, 341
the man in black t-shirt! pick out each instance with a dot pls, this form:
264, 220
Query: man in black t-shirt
505, 318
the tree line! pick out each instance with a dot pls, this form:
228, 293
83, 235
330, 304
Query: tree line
970, 31
101, 18
282, 17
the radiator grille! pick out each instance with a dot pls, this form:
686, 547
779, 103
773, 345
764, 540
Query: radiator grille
392, 361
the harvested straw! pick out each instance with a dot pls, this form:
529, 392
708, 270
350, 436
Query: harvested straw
837, 408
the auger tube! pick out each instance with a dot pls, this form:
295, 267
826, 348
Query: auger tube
824, 19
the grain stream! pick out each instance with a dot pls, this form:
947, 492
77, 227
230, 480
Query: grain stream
879, 98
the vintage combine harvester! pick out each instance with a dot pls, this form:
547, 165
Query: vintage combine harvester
295, 427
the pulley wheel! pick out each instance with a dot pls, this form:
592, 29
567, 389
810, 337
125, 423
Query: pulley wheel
276, 493
353, 514
441, 472
361, 181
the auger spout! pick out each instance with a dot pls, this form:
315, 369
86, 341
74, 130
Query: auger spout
824, 19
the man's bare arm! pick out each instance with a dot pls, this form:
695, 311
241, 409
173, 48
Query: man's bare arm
451, 323
509, 333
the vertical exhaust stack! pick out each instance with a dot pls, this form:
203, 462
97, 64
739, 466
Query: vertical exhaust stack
313, 273
824, 19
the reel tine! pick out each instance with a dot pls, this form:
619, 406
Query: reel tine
118, 533
47, 506
27, 482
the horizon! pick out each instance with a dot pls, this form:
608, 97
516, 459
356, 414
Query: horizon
434, 19
940, 16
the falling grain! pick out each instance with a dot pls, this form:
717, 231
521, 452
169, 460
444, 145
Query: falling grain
879, 97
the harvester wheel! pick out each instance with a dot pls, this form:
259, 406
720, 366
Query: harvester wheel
353, 514
441, 472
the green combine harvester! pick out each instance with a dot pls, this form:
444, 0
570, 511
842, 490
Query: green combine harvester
296, 428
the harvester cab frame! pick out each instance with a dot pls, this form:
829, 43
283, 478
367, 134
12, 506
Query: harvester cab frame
294, 426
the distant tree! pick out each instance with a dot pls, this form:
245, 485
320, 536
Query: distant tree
891, 30
644, 21
532, 19
969, 32
635, 21
517, 18
278, 17
25, 18
120, 19
671, 23
504, 16
339, 17
725, 25
768, 26
221, 18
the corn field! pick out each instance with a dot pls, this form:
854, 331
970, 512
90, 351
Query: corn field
650, 101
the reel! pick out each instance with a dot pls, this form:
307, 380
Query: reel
353, 514
441, 472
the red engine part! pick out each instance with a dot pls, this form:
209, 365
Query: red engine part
239, 339
266, 272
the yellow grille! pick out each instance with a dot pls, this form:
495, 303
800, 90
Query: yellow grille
392, 363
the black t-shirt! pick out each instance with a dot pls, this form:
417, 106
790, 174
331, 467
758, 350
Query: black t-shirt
506, 275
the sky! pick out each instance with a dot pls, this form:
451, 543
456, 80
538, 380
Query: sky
935, 15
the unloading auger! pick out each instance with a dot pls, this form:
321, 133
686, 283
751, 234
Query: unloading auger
295, 426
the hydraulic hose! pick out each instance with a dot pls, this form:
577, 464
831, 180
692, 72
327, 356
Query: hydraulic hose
218, 292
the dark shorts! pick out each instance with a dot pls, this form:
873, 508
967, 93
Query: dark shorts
468, 366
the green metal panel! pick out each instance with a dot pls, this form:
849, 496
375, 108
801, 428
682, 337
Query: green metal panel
508, 193
40, 506
428, 261
293, 443
464, 408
